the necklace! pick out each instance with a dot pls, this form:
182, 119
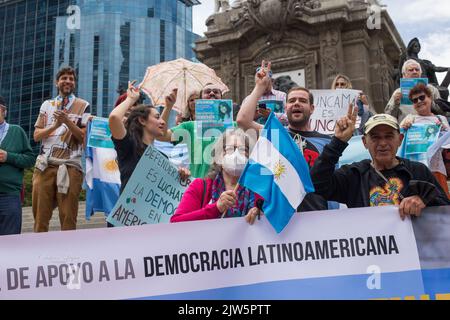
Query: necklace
300, 141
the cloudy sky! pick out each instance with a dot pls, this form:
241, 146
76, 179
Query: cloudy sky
429, 20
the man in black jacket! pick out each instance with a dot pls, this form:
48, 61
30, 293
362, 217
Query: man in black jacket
386, 180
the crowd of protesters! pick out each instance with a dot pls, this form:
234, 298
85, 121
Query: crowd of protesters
218, 161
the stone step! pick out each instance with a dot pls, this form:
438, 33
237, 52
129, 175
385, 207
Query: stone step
98, 220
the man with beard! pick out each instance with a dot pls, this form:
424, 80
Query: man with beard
299, 108
58, 176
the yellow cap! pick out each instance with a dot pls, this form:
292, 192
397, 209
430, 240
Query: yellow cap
379, 119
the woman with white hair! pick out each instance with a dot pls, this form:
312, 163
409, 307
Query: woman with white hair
219, 195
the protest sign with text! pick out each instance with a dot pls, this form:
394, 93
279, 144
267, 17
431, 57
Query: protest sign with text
330, 106
418, 139
213, 116
346, 254
152, 194
100, 135
406, 84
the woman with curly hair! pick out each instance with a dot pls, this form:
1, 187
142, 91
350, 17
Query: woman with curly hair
224, 112
131, 139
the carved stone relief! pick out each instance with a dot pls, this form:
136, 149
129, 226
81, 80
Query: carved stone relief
230, 69
272, 16
329, 49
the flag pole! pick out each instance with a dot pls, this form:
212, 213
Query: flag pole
235, 191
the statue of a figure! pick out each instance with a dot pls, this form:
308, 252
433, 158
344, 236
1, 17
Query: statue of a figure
428, 68
284, 84
222, 5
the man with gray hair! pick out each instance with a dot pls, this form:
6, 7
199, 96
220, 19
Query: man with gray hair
411, 69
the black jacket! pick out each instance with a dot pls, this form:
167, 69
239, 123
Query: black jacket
350, 183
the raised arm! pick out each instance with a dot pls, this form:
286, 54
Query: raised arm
329, 182
246, 115
170, 102
116, 117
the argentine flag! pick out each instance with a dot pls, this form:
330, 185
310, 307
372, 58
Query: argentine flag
102, 179
278, 172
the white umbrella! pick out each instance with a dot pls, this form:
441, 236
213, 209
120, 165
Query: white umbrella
187, 76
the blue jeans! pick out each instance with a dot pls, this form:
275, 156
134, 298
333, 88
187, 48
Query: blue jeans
10, 214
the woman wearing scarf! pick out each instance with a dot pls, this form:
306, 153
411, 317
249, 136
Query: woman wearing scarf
218, 195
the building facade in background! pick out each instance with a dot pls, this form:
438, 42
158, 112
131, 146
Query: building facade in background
107, 41
312, 41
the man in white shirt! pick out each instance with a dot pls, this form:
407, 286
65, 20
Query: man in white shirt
57, 179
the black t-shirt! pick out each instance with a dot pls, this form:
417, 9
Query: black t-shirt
311, 142
127, 157
386, 194
312, 201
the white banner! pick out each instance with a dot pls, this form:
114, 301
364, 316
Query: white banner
330, 106
169, 259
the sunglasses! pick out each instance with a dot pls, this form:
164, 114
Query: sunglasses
419, 98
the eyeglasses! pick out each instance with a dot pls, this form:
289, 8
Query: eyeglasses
413, 69
215, 91
231, 149
419, 98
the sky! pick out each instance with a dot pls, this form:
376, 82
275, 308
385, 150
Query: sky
428, 20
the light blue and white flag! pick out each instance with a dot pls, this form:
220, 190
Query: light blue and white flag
354, 152
278, 172
102, 180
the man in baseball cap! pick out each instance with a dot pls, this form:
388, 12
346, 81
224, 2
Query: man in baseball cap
385, 179
381, 119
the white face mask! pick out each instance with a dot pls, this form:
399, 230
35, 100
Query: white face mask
234, 164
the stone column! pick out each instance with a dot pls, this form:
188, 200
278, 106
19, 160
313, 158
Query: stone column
357, 59
380, 75
331, 55
229, 71
311, 62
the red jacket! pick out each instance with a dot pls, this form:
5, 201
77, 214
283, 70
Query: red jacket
191, 207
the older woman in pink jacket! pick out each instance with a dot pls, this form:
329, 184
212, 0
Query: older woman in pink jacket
219, 195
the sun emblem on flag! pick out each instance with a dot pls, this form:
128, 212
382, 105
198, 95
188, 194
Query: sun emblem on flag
279, 170
110, 165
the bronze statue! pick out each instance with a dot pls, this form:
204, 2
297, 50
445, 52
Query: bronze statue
428, 68
284, 83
